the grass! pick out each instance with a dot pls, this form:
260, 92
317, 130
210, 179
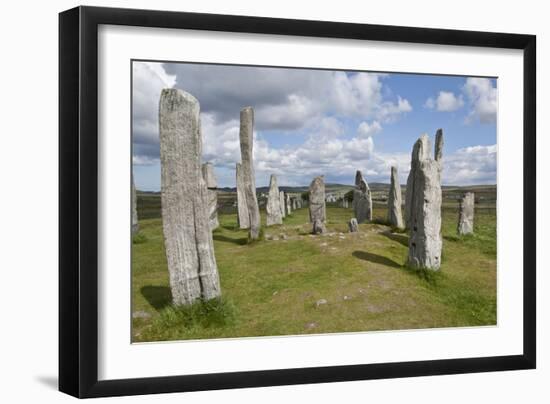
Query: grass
271, 287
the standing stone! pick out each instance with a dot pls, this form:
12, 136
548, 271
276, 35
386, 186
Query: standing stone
466, 214
421, 152
273, 207
424, 188
438, 155
353, 225
317, 206
362, 200
294, 204
211, 194
242, 208
282, 203
395, 218
247, 167
288, 204
135, 225
187, 236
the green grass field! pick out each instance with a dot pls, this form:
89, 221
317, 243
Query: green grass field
271, 287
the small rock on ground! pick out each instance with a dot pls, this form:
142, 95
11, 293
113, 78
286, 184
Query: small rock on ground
310, 326
141, 314
320, 302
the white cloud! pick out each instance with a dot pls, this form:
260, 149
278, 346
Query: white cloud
483, 99
320, 105
366, 130
446, 101
283, 99
148, 81
471, 165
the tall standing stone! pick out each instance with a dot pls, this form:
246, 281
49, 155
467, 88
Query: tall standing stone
242, 208
135, 225
438, 154
317, 206
288, 204
211, 194
395, 218
466, 214
282, 203
424, 187
187, 236
273, 207
362, 200
421, 151
247, 166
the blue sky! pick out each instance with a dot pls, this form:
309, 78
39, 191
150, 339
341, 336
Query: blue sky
313, 122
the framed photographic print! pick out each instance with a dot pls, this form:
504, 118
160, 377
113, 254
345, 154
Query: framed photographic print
251, 201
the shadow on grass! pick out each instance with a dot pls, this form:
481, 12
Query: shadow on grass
232, 226
238, 241
457, 238
400, 238
431, 277
376, 259
158, 296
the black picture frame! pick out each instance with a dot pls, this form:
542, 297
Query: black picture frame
78, 201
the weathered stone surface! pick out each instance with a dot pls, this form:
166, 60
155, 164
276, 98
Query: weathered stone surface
294, 203
362, 200
395, 218
288, 204
319, 227
242, 208
211, 194
187, 236
247, 166
282, 203
353, 225
425, 208
421, 151
438, 154
135, 225
273, 207
317, 206
466, 214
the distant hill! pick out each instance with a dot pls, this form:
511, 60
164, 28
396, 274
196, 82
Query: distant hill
486, 193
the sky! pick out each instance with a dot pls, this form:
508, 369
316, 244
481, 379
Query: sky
321, 122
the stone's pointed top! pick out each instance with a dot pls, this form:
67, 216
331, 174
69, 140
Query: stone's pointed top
438, 153
360, 181
273, 181
319, 180
177, 94
358, 177
421, 149
247, 111
209, 176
